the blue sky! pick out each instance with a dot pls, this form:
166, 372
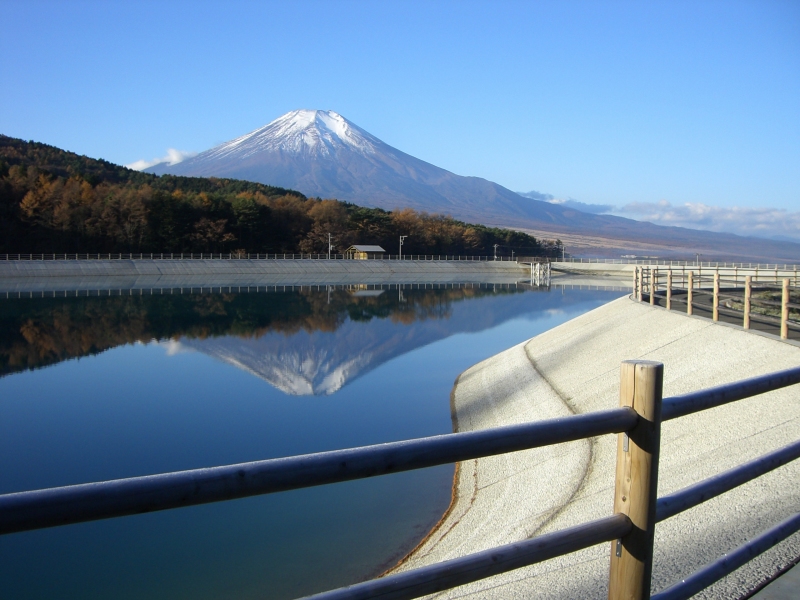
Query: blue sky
678, 112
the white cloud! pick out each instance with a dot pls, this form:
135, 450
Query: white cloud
173, 157
776, 223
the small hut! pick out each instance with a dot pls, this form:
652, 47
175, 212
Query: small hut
364, 252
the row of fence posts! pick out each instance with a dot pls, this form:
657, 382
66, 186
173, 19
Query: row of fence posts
645, 277
757, 267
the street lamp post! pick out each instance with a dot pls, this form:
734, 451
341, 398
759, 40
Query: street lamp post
495, 251
329, 246
402, 237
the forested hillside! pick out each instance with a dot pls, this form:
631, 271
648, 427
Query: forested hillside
52, 200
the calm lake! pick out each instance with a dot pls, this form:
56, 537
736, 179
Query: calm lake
96, 388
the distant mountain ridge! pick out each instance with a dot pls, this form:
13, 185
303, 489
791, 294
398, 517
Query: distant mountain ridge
320, 153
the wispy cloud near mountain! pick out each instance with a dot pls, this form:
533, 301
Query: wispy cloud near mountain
775, 223
173, 157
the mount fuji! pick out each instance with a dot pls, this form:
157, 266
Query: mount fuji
320, 153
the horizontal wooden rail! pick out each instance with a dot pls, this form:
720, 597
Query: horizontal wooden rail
734, 312
756, 316
23, 511
730, 562
677, 502
473, 567
686, 404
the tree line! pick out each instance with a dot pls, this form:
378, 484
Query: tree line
52, 200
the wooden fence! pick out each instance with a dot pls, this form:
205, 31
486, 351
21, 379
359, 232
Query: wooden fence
686, 264
630, 529
729, 286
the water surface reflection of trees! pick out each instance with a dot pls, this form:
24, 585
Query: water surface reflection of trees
36, 332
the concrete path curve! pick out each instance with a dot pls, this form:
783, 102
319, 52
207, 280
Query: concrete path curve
575, 368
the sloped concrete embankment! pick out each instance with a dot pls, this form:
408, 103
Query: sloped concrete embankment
25, 276
575, 368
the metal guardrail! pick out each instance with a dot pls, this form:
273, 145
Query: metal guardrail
631, 528
244, 256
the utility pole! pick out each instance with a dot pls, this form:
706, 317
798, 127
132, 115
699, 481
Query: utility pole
402, 237
329, 246
495, 251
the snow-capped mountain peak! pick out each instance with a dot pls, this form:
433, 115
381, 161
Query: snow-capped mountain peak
322, 154
314, 132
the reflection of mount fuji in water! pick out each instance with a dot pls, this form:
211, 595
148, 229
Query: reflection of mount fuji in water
321, 362
304, 340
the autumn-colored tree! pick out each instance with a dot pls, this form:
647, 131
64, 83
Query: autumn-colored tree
211, 235
328, 217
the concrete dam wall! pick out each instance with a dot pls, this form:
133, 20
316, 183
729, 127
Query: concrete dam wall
24, 275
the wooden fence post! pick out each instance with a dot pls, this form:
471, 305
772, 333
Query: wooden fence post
785, 310
715, 310
690, 293
748, 290
641, 283
669, 289
652, 289
637, 480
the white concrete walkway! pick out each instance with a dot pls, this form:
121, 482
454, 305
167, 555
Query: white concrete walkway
574, 368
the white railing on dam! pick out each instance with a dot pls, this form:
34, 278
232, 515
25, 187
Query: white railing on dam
246, 256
